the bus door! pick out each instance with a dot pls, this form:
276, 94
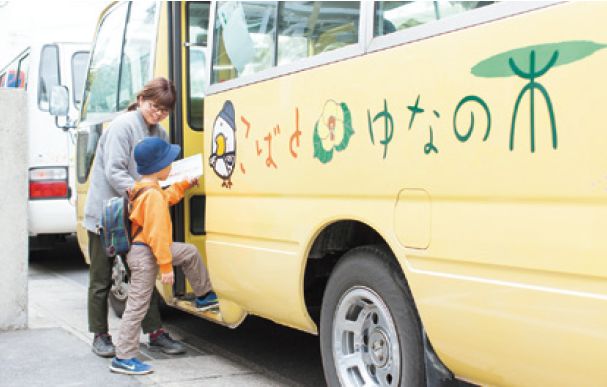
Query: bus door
190, 31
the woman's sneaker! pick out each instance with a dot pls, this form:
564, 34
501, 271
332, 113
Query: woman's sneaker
208, 301
130, 366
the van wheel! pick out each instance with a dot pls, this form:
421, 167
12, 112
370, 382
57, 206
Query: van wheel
120, 286
370, 333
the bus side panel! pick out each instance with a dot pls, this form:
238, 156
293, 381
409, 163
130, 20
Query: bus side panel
511, 285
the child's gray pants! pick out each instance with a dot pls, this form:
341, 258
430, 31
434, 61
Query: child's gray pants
144, 271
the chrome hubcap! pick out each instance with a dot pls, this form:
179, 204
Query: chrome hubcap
366, 349
378, 348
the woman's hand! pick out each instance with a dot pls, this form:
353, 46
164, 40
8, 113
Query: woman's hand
167, 278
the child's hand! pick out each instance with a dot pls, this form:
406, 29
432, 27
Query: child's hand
167, 278
193, 182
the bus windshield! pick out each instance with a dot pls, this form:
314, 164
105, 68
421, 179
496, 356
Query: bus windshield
79, 62
121, 62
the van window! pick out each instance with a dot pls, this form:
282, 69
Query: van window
244, 39
100, 93
11, 74
15, 75
307, 28
198, 25
135, 69
11, 78
48, 75
392, 16
80, 61
24, 64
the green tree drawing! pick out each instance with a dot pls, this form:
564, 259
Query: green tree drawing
509, 63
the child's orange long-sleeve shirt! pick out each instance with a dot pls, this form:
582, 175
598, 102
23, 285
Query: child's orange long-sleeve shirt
151, 211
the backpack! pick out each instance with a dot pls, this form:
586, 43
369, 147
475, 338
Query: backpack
116, 225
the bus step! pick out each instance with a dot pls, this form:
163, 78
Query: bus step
186, 304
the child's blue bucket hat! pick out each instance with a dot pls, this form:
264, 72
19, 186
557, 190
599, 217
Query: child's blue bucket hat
153, 154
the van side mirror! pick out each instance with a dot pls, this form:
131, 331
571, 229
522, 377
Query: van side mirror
59, 105
59, 101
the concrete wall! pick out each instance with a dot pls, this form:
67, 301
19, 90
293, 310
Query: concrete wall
13, 209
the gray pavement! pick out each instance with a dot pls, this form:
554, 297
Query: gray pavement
55, 349
52, 357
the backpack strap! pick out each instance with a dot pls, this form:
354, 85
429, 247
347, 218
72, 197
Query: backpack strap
132, 196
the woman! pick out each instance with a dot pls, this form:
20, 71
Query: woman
113, 173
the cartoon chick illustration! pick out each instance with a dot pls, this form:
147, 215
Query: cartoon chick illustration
223, 150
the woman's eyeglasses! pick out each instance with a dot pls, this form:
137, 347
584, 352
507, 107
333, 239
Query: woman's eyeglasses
158, 108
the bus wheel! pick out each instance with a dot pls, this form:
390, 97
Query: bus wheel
370, 333
120, 286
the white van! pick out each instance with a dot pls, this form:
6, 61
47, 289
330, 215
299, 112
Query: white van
52, 189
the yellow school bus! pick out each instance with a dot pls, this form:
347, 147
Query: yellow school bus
420, 183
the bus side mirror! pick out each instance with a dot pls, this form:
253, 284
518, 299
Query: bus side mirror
59, 105
59, 101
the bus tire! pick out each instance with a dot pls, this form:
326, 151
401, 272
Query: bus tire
120, 286
370, 332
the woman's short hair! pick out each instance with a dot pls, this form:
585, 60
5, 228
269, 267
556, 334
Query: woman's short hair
159, 90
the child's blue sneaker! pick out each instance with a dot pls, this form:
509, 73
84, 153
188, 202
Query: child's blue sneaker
130, 366
207, 301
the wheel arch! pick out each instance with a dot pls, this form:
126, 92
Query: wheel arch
326, 248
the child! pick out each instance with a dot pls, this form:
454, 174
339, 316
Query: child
154, 249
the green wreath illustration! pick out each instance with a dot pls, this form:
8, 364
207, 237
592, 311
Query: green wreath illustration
332, 130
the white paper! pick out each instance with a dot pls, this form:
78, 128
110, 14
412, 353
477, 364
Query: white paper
184, 169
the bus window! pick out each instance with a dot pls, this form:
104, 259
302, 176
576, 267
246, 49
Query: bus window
198, 25
244, 39
135, 69
245, 34
307, 28
392, 16
48, 75
79, 62
23, 71
101, 84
